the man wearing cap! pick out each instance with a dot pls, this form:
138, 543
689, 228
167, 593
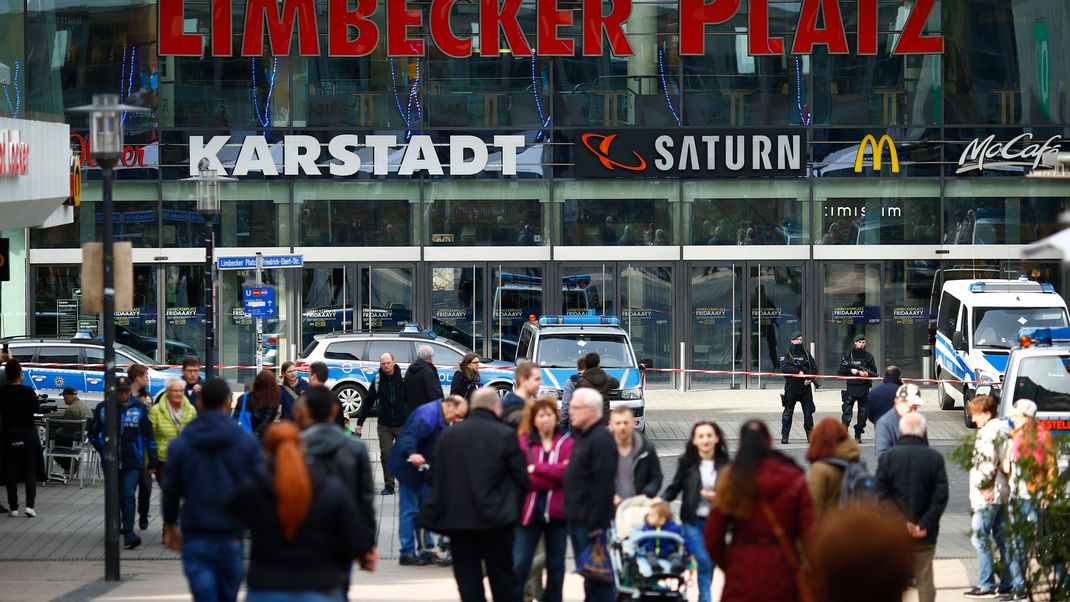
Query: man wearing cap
886, 433
857, 362
797, 360
136, 446
76, 408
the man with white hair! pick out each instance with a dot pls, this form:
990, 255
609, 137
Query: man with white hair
589, 481
912, 476
421, 380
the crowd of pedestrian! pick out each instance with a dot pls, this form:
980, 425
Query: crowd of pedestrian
499, 486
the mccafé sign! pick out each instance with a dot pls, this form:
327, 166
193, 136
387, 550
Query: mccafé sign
14, 154
351, 28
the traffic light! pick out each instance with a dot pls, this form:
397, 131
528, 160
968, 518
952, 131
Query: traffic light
5, 257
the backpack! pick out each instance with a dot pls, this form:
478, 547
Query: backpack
245, 417
856, 485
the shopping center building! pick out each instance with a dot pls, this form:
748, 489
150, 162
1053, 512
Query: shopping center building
714, 202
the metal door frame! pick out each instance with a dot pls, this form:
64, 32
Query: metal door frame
822, 339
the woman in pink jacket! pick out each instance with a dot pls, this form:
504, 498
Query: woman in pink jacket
543, 512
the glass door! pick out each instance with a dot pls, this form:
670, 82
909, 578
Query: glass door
851, 306
646, 304
517, 295
717, 324
775, 297
458, 311
386, 297
185, 300
326, 301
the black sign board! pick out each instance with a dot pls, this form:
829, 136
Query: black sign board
691, 153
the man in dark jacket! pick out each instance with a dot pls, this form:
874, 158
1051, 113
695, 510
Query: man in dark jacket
387, 394
137, 445
476, 491
421, 380
797, 360
594, 377
882, 397
589, 482
857, 362
912, 476
409, 460
527, 380
638, 469
205, 465
318, 375
342, 456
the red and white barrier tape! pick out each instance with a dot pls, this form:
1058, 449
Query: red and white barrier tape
101, 366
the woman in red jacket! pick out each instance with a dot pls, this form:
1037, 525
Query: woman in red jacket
543, 512
761, 493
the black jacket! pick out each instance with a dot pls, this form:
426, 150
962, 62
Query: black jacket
480, 478
345, 458
319, 556
590, 476
205, 465
18, 404
913, 477
421, 384
263, 417
882, 398
387, 392
646, 469
463, 386
597, 379
858, 359
688, 481
792, 363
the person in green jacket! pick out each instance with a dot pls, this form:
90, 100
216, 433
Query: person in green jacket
168, 418
76, 408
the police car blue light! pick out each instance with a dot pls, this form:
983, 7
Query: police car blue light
587, 320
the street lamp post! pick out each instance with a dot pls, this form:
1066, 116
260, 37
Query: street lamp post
208, 207
106, 140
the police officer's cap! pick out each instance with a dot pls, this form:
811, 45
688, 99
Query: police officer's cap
860, 337
797, 334
122, 383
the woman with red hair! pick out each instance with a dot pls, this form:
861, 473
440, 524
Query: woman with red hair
305, 527
831, 448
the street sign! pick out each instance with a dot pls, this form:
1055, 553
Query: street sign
259, 301
269, 262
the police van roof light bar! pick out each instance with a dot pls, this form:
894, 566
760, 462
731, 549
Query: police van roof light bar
590, 319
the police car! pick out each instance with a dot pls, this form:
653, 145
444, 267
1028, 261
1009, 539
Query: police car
352, 360
554, 343
89, 382
1037, 369
977, 326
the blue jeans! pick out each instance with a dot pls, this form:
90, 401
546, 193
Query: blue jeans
128, 481
594, 591
213, 567
527, 539
696, 546
409, 502
988, 523
259, 595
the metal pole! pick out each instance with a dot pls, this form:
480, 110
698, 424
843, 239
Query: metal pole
111, 406
209, 287
259, 320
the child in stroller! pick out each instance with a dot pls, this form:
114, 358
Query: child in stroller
648, 552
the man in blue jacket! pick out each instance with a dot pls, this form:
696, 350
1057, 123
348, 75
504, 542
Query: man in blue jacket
137, 451
205, 464
410, 460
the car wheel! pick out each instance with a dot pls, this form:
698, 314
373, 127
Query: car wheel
946, 401
966, 418
351, 396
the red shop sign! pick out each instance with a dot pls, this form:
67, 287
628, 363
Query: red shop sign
132, 156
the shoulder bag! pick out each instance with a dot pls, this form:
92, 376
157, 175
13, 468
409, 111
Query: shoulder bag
804, 579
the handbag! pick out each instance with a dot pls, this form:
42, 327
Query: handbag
245, 417
804, 579
593, 561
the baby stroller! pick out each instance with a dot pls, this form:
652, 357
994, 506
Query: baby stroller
635, 577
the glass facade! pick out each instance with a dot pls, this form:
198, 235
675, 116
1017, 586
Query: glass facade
471, 255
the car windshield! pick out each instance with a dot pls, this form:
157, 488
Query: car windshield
1045, 380
998, 327
562, 350
137, 356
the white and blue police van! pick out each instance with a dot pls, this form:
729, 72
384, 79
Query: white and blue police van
554, 343
352, 360
977, 326
72, 358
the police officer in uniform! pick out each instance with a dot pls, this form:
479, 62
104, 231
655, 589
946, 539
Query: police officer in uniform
796, 360
857, 362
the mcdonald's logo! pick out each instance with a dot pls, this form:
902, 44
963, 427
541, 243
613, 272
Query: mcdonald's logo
75, 198
878, 151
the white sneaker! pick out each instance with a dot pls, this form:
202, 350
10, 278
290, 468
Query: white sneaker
14, 514
30, 513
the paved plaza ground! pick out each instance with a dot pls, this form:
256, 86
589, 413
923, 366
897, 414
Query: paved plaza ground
59, 554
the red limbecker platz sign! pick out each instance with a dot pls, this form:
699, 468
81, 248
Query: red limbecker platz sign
351, 31
14, 154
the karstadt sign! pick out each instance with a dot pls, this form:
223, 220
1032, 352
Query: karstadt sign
351, 27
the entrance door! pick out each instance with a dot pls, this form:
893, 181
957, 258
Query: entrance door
742, 315
851, 306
